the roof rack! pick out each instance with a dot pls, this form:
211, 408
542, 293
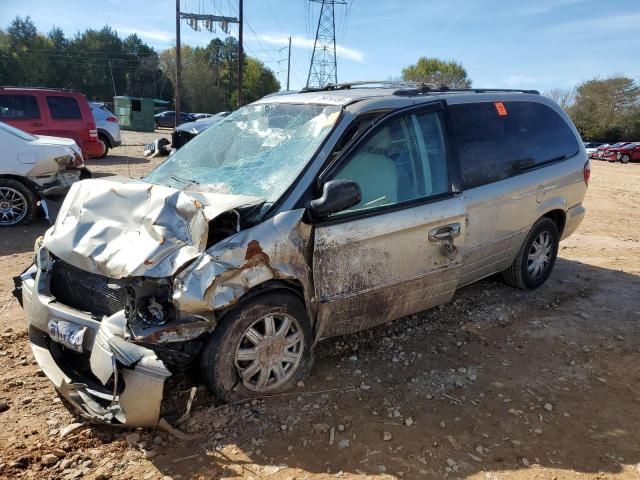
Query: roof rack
426, 88
412, 88
361, 84
41, 88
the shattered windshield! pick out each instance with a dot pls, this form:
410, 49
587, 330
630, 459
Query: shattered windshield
258, 150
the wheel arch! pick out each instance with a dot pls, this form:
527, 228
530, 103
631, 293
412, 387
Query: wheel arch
559, 217
25, 181
107, 136
292, 286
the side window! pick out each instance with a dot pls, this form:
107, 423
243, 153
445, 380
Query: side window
19, 107
502, 139
63, 108
403, 159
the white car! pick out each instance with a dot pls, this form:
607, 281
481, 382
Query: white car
31, 168
108, 127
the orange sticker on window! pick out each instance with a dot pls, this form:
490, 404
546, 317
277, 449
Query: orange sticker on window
502, 111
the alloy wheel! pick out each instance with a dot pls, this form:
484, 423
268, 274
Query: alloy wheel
13, 206
539, 257
269, 352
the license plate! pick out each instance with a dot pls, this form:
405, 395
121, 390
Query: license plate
68, 334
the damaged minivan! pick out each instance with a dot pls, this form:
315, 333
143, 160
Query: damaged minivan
296, 218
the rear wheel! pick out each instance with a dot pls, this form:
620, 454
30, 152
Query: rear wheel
262, 347
536, 257
17, 203
106, 142
625, 158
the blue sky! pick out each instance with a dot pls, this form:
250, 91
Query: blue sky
539, 44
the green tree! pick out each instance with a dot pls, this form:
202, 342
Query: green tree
607, 109
210, 76
439, 72
91, 62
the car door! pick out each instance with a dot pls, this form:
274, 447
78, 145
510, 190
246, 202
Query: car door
395, 252
65, 117
22, 111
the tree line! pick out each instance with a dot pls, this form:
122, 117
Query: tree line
606, 110
100, 62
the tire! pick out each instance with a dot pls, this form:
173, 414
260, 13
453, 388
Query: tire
106, 142
625, 158
230, 350
17, 203
523, 272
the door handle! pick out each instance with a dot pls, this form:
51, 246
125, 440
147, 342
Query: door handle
445, 232
36, 124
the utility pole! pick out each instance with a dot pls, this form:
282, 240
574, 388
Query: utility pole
324, 66
178, 64
112, 81
289, 64
240, 53
193, 19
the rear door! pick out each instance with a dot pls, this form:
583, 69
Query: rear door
22, 111
394, 253
65, 117
513, 170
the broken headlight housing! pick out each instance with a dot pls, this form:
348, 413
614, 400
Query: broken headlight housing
148, 302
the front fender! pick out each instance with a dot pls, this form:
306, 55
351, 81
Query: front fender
276, 249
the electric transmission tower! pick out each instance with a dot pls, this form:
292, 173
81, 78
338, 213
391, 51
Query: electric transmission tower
324, 67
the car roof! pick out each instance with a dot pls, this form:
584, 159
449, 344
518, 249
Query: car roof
347, 93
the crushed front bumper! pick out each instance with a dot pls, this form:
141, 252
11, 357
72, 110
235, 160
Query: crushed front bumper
113, 380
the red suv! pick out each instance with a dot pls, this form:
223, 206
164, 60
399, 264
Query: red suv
50, 111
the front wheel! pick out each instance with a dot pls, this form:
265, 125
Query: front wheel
17, 203
536, 257
262, 347
625, 158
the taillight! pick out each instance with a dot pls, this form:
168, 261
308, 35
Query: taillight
93, 130
112, 119
586, 172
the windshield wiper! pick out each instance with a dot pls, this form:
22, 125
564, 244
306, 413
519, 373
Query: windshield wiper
187, 181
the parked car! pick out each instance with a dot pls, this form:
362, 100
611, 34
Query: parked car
603, 149
53, 112
610, 153
201, 116
108, 127
592, 147
31, 168
629, 152
187, 131
298, 218
168, 119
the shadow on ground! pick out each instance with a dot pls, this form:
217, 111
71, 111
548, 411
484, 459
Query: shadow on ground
497, 380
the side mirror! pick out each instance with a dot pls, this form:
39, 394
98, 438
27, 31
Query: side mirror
337, 195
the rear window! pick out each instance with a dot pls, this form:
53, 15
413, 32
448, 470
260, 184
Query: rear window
19, 107
502, 139
64, 108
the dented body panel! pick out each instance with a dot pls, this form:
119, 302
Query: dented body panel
276, 249
125, 228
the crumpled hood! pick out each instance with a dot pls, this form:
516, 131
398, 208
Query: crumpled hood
120, 228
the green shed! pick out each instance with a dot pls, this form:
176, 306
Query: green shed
136, 113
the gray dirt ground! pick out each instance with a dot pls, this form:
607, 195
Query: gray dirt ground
498, 384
